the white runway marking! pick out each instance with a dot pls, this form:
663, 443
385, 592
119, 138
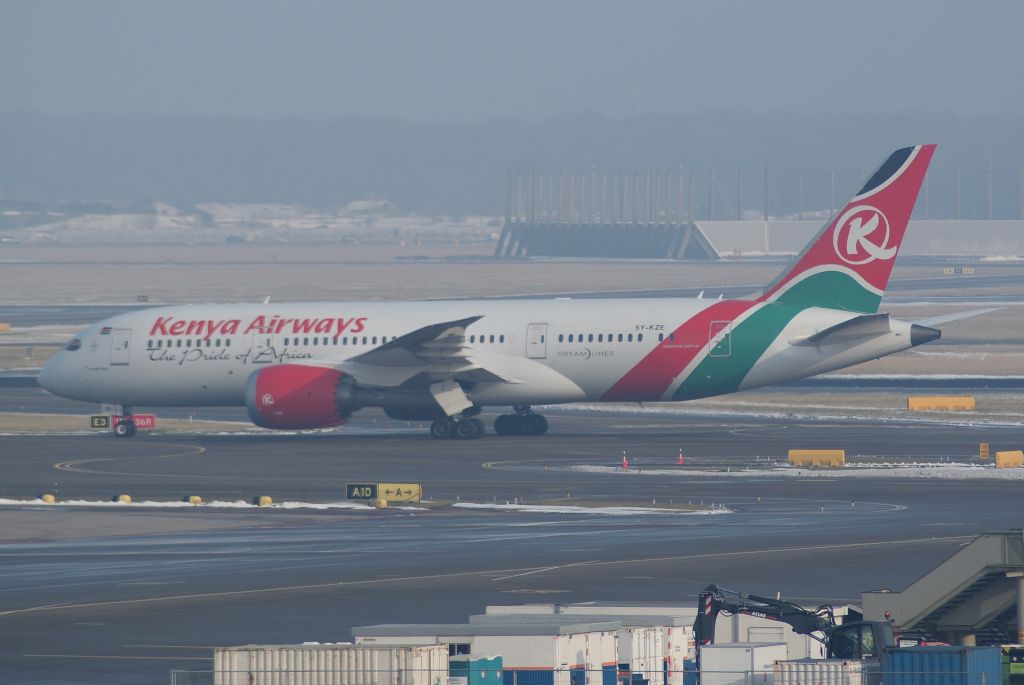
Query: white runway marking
545, 569
464, 574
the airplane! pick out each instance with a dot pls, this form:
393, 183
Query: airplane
305, 366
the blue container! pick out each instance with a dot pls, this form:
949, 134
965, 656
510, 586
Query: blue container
690, 672
511, 676
476, 670
941, 666
609, 674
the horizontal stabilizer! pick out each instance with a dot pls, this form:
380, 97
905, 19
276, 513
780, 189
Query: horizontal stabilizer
946, 318
866, 326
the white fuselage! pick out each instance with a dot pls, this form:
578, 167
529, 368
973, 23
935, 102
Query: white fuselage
202, 355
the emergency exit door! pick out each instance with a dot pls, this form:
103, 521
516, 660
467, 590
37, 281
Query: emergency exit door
537, 341
120, 346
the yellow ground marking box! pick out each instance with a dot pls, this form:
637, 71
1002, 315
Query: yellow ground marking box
817, 457
941, 403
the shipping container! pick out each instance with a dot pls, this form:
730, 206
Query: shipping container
642, 642
738, 662
330, 664
735, 628
942, 666
826, 672
550, 652
475, 670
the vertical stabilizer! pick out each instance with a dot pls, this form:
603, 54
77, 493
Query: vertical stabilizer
848, 264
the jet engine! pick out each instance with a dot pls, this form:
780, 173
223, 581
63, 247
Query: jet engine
294, 396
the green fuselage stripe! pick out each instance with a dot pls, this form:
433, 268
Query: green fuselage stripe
725, 366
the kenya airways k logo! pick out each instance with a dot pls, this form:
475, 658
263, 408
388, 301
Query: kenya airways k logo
861, 235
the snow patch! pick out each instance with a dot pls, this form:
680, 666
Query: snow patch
935, 471
216, 504
601, 511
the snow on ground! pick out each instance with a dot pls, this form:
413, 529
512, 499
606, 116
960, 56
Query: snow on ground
239, 504
603, 511
738, 408
938, 471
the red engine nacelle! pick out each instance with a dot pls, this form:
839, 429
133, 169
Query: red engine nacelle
293, 396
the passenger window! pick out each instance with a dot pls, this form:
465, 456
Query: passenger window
492, 338
542, 338
364, 339
590, 337
227, 342
570, 337
639, 337
316, 340
561, 337
629, 338
661, 336
344, 340
472, 338
501, 338
620, 337
600, 337
671, 337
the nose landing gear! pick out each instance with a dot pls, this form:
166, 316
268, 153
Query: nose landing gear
125, 429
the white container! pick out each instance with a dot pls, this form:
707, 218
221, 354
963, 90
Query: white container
730, 663
826, 672
330, 664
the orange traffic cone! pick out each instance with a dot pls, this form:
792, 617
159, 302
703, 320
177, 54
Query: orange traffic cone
625, 462
680, 462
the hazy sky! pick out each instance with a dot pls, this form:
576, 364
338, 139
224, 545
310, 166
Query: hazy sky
475, 60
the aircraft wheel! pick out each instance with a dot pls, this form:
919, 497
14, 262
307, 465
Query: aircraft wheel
542, 420
470, 429
441, 429
125, 429
507, 424
533, 424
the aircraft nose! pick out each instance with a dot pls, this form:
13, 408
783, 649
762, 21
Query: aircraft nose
49, 374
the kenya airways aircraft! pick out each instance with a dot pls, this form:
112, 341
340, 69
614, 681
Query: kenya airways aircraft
302, 366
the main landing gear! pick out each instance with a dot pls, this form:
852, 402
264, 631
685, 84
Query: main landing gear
467, 429
523, 422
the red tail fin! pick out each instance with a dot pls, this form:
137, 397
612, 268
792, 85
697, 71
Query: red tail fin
847, 265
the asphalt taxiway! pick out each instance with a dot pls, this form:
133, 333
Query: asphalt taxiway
124, 594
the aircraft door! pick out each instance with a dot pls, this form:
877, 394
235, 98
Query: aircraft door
720, 339
120, 346
537, 341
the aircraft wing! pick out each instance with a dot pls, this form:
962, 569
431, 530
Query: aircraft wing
439, 350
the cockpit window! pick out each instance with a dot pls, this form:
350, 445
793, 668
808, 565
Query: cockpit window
73, 345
